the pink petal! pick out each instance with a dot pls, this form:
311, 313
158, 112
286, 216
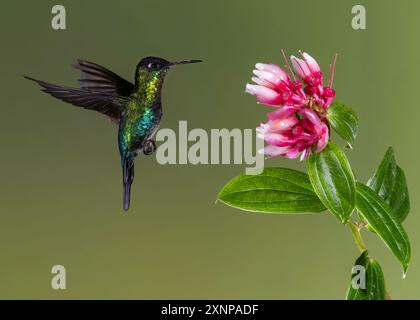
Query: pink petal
313, 119
328, 96
313, 65
274, 69
273, 151
267, 76
281, 113
323, 139
263, 94
300, 67
292, 153
284, 124
305, 153
262, 82
306, 137
328, 102
278, 139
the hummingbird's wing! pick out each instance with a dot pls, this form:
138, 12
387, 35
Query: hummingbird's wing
108, 104
98, 78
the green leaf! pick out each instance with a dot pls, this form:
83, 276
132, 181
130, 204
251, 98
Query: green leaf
384, 178
375, 281
378, 214
366, 283
276, 190
399, 199
333, 180
390, 183
344, 121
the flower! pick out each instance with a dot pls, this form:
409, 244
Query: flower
299, 126
274, 88
291, 133
308, 70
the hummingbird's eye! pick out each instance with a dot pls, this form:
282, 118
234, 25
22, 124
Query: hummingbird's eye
153, 66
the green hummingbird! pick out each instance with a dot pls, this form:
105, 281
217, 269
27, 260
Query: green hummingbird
136, 108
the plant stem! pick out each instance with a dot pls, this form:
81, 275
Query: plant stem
355, 230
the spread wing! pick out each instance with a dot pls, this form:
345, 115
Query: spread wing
98, 78
105, 102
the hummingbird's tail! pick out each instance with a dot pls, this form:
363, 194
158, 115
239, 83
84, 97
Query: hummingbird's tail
128, 178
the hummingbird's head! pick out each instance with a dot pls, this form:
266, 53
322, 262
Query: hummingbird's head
156, 64
154, 69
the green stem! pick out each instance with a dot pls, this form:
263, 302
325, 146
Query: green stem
357, 236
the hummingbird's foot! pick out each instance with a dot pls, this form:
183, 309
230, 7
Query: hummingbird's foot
149, 147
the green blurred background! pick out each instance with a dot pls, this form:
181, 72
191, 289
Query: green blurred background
61, 193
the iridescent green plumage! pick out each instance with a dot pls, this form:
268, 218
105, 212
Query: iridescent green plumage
143, 112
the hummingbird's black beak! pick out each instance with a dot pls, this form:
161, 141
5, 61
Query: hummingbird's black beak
184, 62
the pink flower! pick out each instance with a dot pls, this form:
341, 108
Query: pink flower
274, 88
295, 128
308, 70
291, 133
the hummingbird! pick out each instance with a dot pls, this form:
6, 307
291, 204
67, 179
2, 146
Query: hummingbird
136, 108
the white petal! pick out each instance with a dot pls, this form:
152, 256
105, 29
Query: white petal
274, 69
313, 65
267, 76
262, 82
300, 67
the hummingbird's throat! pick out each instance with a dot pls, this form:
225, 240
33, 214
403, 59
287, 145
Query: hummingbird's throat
149, 86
